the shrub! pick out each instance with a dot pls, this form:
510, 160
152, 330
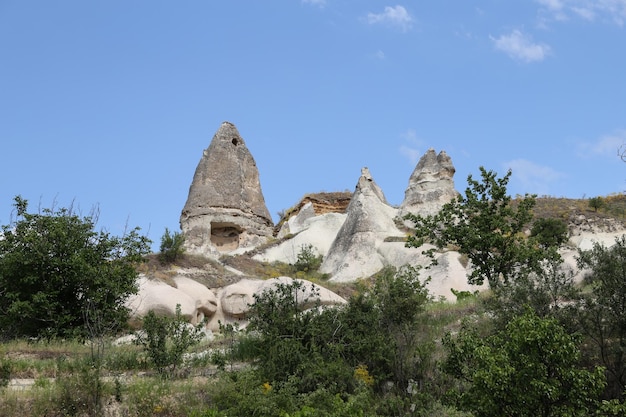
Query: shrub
166, 339
308, 260
171, 246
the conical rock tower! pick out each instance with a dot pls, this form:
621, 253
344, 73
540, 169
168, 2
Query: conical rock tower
369, 221
431, 185
225, 209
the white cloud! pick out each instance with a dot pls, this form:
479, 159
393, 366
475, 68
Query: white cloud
521, 47
380, 55
395, 16
319, 3
608, 10
411, 151
608, 145
533, 178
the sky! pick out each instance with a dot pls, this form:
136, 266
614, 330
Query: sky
109, 105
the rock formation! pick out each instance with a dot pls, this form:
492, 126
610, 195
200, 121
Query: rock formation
369, 221
235, 300
196, 301
430, 185
225, 209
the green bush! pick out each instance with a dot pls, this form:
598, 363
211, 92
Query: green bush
5, 372
308, 260
166, 339
171, 246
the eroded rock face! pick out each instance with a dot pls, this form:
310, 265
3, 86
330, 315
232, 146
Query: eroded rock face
369, 221
431, 185
225, 209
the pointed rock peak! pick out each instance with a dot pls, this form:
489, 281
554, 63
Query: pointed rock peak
367, 186
430, 186
225, 208
431, 164
228, 133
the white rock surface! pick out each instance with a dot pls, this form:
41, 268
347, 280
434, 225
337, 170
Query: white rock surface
318, 231
354, 253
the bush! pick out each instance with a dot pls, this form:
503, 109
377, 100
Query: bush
54, 267
308, 260
166, 339
5, 372
171, 246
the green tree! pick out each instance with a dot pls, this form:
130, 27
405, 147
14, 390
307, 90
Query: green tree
171, 246
596, 203
485, 225
530, 368
549, 232
602, 311
54, 267
307, 259
166, 339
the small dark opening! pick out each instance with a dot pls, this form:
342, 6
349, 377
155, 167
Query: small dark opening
235, 141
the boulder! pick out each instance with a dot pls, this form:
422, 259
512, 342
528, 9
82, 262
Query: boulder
206, 300
369, 222
431, 185
225, 209
157, 296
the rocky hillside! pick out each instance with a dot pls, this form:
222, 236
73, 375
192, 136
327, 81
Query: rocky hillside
358, 233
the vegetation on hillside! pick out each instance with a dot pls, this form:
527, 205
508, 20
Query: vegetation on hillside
535, 344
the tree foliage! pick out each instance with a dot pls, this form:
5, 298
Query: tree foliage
54, 267
486, 226
376, 330
530, 368
596, 203
166, 339
602, 312
171, 246
549, 232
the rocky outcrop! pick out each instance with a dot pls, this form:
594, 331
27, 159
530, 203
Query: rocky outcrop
235, 300
431, 185
225, 209
369, 222
193, 298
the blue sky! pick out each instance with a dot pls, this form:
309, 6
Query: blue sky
111, 103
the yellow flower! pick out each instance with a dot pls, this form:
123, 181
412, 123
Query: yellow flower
266, 387
361, 374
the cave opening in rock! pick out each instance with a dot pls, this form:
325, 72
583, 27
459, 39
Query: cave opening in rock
225, 236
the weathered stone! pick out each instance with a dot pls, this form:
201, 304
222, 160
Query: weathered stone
369, 221
430, 186
225, 209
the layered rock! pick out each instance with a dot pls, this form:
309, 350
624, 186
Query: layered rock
225, 209
369, 222
431, 185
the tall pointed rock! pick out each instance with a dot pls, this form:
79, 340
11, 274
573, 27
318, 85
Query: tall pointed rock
369, 221
225, 209
431, 185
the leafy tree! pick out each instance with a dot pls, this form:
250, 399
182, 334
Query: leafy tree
596, 203
166, 339
378, 330
54, 267
602, 312
485, 225
544, 291
549, 232
307, 259
530, 368
171, 246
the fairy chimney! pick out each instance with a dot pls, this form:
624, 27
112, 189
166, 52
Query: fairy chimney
225, 209
431, 185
